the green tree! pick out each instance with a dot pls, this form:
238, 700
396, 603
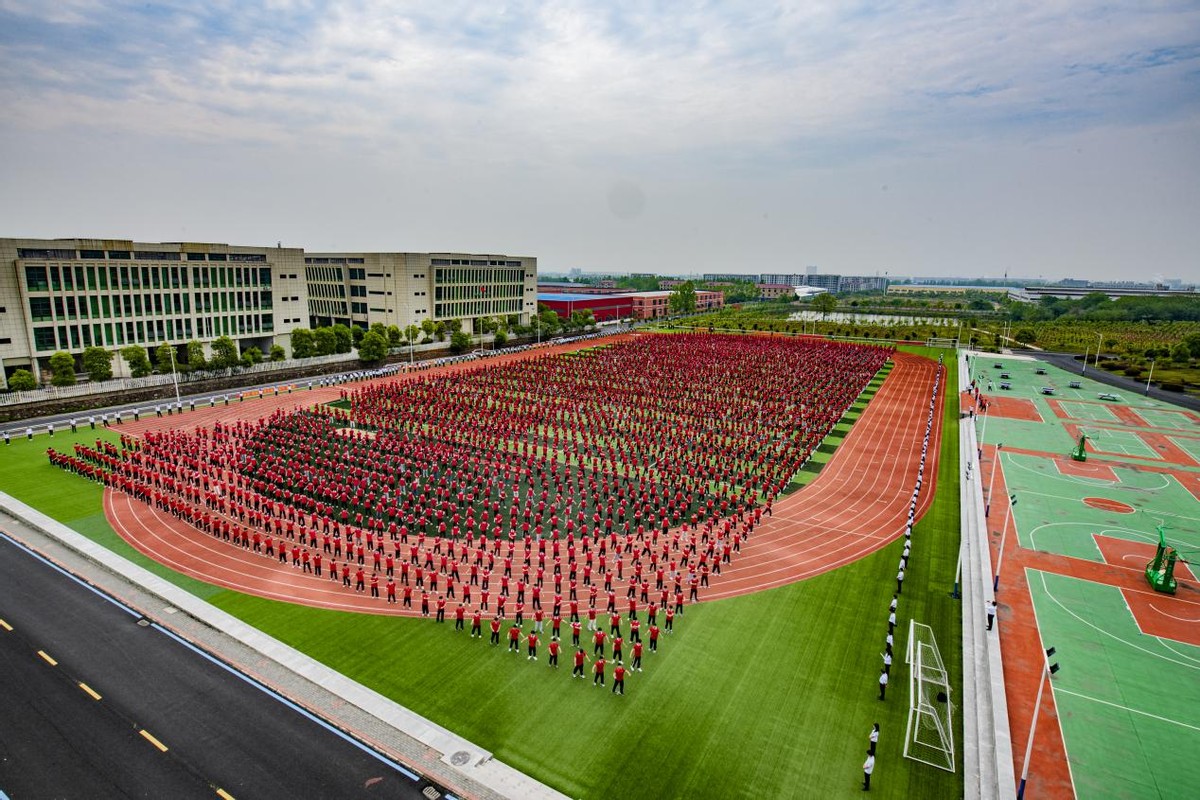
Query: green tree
501, 338
373, 348
428, 328
344, 340
439, 329
253, 355
1025, 336
303, 343
683, 299
139, 363
195, 355
453, 325
411, 333
459, 342
278, 353
356, 334
62, 364
394, 336
326, 341
824, 302
225, 353
97, 363
162, 358
22, 380
1180, 354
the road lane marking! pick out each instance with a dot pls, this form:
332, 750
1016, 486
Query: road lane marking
89, 690
5, 625
224, 795
48, 659
150, 738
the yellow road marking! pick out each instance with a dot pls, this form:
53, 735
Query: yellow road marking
224, 795
150, 738
89, 690
5, 625
49, 660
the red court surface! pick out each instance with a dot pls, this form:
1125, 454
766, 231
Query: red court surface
1078, 469
1104, 504
1013, 408
858, 504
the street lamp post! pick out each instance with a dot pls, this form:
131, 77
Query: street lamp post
1149, 377
1012, 501
175, 377
1098, 348
1047, 670
987, 506
987, 412
1086, 351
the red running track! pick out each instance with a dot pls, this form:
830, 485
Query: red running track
857, 505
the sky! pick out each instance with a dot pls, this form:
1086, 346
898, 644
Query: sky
977, 139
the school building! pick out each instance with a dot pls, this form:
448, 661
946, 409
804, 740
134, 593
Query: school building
71, 294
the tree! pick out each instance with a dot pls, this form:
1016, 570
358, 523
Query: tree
97, 363
373, 348
453, 325
501, 338
1025, 336
195, 355
394, 336
439, 328
225, 353
343, 339
62, 364
683, 299
278, 353
427, 327
326, 341
357, 333
22, 380
459, 342
163, 362
253, 355
824, 302
139, 363
411, 333
1179, 354
303, 343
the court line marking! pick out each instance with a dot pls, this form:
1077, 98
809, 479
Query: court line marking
1127, 708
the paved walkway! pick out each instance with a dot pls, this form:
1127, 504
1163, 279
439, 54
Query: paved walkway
444, 757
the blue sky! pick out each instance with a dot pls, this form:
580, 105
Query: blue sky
916, 138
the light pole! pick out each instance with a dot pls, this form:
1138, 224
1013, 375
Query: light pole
987, 412
410, 350
175, 377
1047, 670
1150, 376
1012, 501
1098, 348
987, 507
1086, 350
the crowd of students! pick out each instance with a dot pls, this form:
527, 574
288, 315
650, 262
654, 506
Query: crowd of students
558, 491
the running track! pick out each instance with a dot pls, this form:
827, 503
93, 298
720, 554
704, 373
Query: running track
857, 505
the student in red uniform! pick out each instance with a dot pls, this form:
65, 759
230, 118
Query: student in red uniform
532, 640
598, 640
618, 679
598, 672
653, 638
554, 647
391, 590
476, 623
514, 639
580, 657
441, 609
495, 626
460, 614
636, 664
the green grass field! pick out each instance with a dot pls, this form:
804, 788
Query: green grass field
770, 695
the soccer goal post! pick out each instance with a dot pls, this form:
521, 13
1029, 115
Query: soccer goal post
929, 736
939, 341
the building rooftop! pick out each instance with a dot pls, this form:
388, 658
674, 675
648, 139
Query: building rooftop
561, 297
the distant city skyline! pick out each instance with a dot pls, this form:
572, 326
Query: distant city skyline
1051, 139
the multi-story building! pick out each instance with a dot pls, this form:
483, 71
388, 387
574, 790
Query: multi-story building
407, 288
70, 294
774, 291
712, 277
651, 305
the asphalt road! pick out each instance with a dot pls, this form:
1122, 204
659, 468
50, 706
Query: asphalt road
89, 699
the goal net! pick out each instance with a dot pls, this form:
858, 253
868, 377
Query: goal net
929, 737
938, 341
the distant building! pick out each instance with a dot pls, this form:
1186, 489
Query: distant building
603, 306
774, 291
670, 284
1073, 290
830, 282
711, 277
578, 288
920, 288
651, 305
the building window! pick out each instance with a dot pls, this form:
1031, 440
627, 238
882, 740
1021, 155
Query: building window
35, 278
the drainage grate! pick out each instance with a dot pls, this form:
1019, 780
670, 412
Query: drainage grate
460, 758
431, 792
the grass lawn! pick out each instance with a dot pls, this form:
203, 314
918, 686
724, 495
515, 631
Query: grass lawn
770, 695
